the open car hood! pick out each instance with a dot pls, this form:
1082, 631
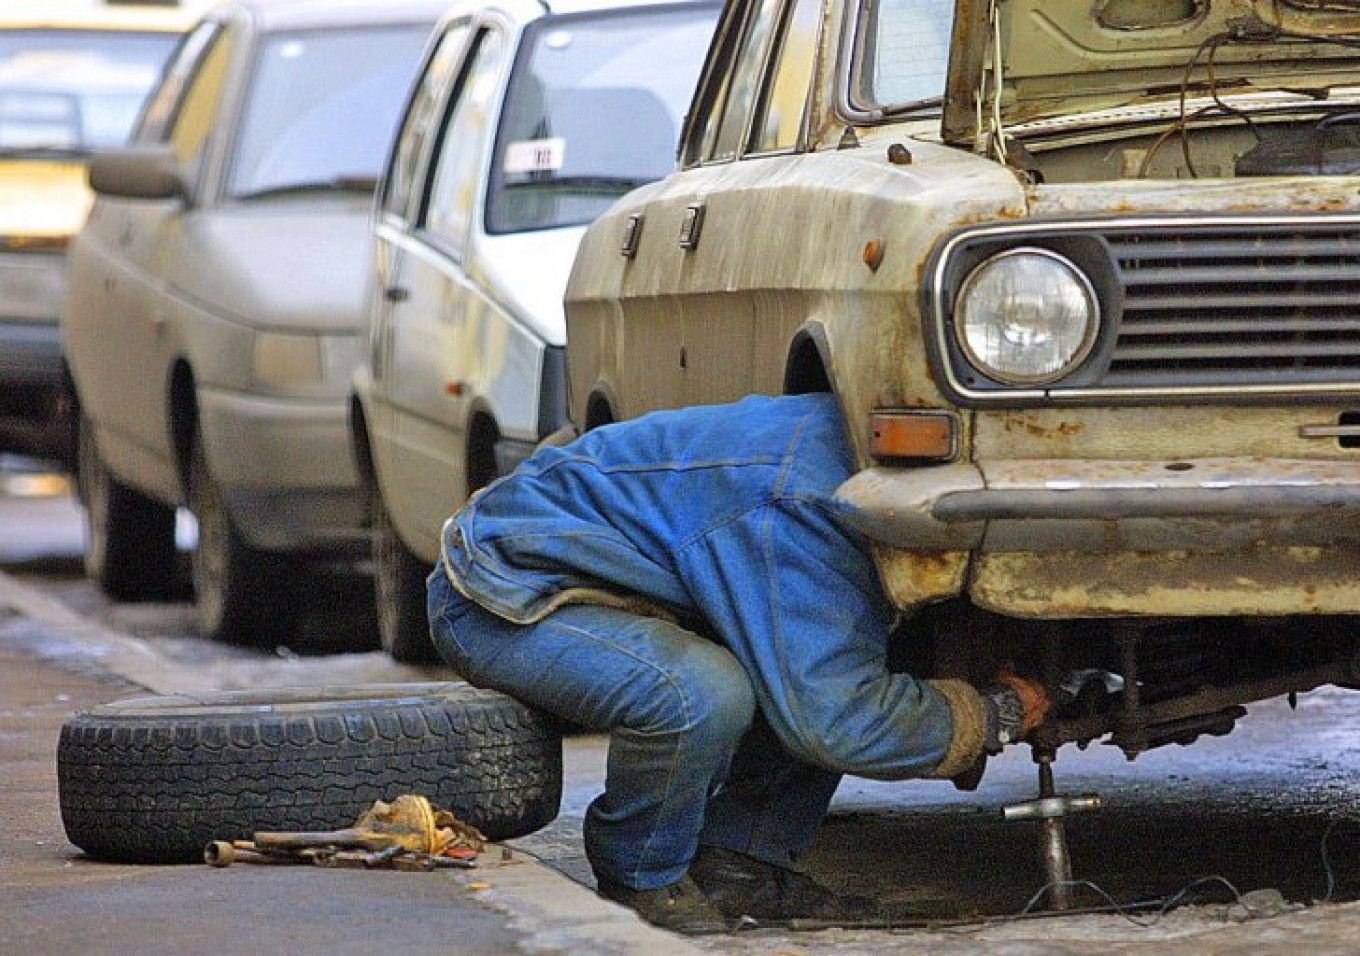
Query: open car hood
1063, 57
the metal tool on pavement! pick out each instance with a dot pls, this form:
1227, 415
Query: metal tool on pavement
407, 834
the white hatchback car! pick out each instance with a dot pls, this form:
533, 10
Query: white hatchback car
215, 304
528, 121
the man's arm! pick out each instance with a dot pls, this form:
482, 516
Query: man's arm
798, 601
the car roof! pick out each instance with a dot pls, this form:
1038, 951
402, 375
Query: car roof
555, 7
582, 6
55, 15
302, 14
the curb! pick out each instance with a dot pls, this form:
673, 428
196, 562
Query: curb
554, 913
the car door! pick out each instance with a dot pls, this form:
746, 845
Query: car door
720, 329
397, 206
133, 381
430, 360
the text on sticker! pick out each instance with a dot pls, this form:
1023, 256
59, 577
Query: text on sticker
535, 155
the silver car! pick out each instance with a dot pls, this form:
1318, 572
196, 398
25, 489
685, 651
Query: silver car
215, 298
528, 121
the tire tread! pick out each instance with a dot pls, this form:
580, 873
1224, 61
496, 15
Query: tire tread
156, 788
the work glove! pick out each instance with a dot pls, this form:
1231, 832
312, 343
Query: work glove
1015, 706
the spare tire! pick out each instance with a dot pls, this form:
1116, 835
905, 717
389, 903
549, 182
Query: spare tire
153, 779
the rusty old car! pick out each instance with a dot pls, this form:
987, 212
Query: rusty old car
1084, 278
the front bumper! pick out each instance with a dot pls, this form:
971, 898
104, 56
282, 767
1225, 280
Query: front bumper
286, 470
1200, 505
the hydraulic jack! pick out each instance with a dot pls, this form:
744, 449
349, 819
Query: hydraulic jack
1050, 809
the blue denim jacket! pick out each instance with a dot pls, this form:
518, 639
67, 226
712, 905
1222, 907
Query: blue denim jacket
724, 514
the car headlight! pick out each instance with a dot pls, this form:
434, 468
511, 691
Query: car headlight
1027, 316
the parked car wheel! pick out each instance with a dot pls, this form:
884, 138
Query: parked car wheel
241, 594
129, 538
399, 583
153, 779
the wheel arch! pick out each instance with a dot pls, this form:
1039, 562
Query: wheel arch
479, 447
808, 365
182, 399
601, 407
362, 449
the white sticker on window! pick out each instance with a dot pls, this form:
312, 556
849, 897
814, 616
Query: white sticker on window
535, 155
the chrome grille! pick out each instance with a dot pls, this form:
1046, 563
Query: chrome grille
1237, 305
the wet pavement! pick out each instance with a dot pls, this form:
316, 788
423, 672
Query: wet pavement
1272, 807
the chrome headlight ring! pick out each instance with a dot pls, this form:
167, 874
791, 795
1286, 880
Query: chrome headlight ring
1026, 316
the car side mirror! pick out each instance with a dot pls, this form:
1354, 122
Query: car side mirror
137, 172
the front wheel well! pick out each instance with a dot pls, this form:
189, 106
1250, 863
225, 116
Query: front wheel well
363, 455
599, 412
805, 371
482, 436
183, 399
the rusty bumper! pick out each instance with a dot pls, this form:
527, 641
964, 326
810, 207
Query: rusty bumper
1208, 504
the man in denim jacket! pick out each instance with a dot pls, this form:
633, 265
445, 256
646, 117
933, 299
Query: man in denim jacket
682, 581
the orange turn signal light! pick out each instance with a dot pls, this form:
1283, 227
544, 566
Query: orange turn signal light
918, 435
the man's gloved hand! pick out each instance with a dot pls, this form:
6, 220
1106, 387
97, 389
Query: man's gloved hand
1015, 706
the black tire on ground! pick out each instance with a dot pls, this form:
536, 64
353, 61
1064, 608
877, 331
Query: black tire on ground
241, 594
399, 590
129, 538
153, 779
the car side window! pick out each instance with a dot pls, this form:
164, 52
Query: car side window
705, 111
163, 105
422, 116
196, 115
745, 81
783, 101
905, 50
459, 151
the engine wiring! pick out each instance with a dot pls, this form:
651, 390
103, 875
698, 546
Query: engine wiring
1256, 33
1180, 127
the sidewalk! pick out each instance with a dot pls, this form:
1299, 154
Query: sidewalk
54, 901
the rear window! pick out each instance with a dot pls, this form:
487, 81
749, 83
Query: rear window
75, 90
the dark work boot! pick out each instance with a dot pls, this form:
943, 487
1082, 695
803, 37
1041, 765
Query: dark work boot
680, 907
742, 885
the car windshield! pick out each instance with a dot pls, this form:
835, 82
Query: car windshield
75, 90
904, 52
593, 111
322, 108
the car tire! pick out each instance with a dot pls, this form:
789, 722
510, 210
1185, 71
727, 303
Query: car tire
154, 779
241, 594
399, 590
129, 538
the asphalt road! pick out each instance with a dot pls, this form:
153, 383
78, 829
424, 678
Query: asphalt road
1252, 830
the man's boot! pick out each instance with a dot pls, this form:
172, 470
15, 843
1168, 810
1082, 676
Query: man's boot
680, 907
741, 885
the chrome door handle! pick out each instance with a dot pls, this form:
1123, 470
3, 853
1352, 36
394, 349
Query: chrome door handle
691, 226
1329, 431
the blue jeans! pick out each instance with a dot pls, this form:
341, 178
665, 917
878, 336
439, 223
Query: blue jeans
691, 760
